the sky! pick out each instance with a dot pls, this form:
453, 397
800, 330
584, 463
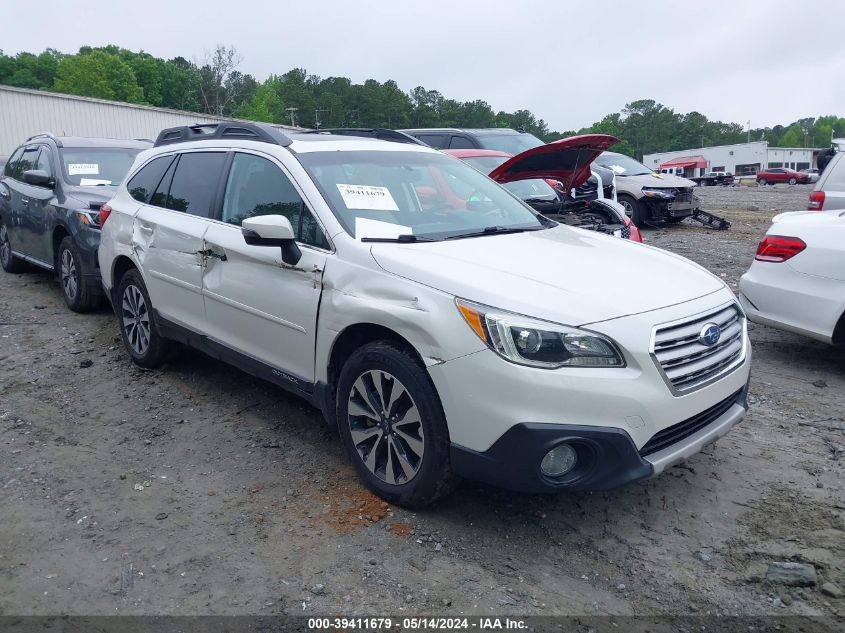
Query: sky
569, 63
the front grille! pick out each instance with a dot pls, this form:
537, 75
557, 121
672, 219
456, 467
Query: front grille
687, 363
682, 430
626, 232
683, 195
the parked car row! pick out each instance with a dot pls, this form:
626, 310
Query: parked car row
445, 327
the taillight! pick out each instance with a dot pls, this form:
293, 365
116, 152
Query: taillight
816, 201
105, 212
777, 248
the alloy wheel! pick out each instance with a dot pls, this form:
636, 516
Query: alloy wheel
136, 319
386, 427
629, 208
70, 279
5, 247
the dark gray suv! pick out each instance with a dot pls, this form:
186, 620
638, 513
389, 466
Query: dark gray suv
51, 192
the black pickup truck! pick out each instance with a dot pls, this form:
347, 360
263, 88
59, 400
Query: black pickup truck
713, 178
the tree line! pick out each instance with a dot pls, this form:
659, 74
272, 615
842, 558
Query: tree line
214, 85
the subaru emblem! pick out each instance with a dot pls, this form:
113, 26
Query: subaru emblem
710, 334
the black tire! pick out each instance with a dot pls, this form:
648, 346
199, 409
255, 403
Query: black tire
635, 208
761, 182
78, 295
394, 367
137, 323
793, 181
10, 263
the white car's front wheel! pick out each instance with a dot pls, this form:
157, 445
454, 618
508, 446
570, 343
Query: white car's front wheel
393, 426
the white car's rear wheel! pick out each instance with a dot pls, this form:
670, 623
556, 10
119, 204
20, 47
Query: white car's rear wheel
137, 322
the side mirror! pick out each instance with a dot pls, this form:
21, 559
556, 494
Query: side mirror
272, 230
39, 178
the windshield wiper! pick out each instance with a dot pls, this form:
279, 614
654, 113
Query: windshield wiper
492, 230
402, 239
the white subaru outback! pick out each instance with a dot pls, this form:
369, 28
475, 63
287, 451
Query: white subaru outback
444, 326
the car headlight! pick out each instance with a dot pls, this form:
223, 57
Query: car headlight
661, 194
536, 343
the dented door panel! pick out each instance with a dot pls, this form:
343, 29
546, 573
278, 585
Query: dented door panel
167, 245
260, 306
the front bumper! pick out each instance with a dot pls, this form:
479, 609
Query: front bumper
616, 410
608, 457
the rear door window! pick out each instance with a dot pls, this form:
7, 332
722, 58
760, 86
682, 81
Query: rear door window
194, 186
142, 185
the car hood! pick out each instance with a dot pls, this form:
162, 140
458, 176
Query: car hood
562, 274
91, 197
567, 160
652, 180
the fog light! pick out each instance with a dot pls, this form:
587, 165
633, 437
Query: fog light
559, 461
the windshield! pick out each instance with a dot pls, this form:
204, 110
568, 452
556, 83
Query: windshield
385, 194
515, 143
96, 165
622, 165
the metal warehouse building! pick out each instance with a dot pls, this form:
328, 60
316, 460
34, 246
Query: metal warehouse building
739, 159
25, 112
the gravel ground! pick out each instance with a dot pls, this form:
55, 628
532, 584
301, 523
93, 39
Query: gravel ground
200, 490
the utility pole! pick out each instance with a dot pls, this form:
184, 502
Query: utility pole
292, 112
317, 112
748, 138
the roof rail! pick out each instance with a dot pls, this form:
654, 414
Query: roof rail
49, 135
223, 130
381, 133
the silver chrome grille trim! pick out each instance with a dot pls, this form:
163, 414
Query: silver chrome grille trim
685, 364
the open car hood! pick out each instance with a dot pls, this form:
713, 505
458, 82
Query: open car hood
567, 160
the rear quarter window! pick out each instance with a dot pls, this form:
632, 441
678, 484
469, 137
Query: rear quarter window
10, 169
142, 185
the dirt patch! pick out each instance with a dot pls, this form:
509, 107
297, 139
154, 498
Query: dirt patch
400, 529
353, 508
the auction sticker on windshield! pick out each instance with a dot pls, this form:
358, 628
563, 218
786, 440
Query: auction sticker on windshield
367, 197
75, 169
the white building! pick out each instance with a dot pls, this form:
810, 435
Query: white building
739, 159
25, 112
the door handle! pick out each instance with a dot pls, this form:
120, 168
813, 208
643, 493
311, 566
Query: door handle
24, 201
145, 229
210, 253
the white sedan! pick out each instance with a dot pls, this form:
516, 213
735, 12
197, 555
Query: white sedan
797, 279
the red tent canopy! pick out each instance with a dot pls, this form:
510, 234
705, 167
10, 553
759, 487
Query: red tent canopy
686, 161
